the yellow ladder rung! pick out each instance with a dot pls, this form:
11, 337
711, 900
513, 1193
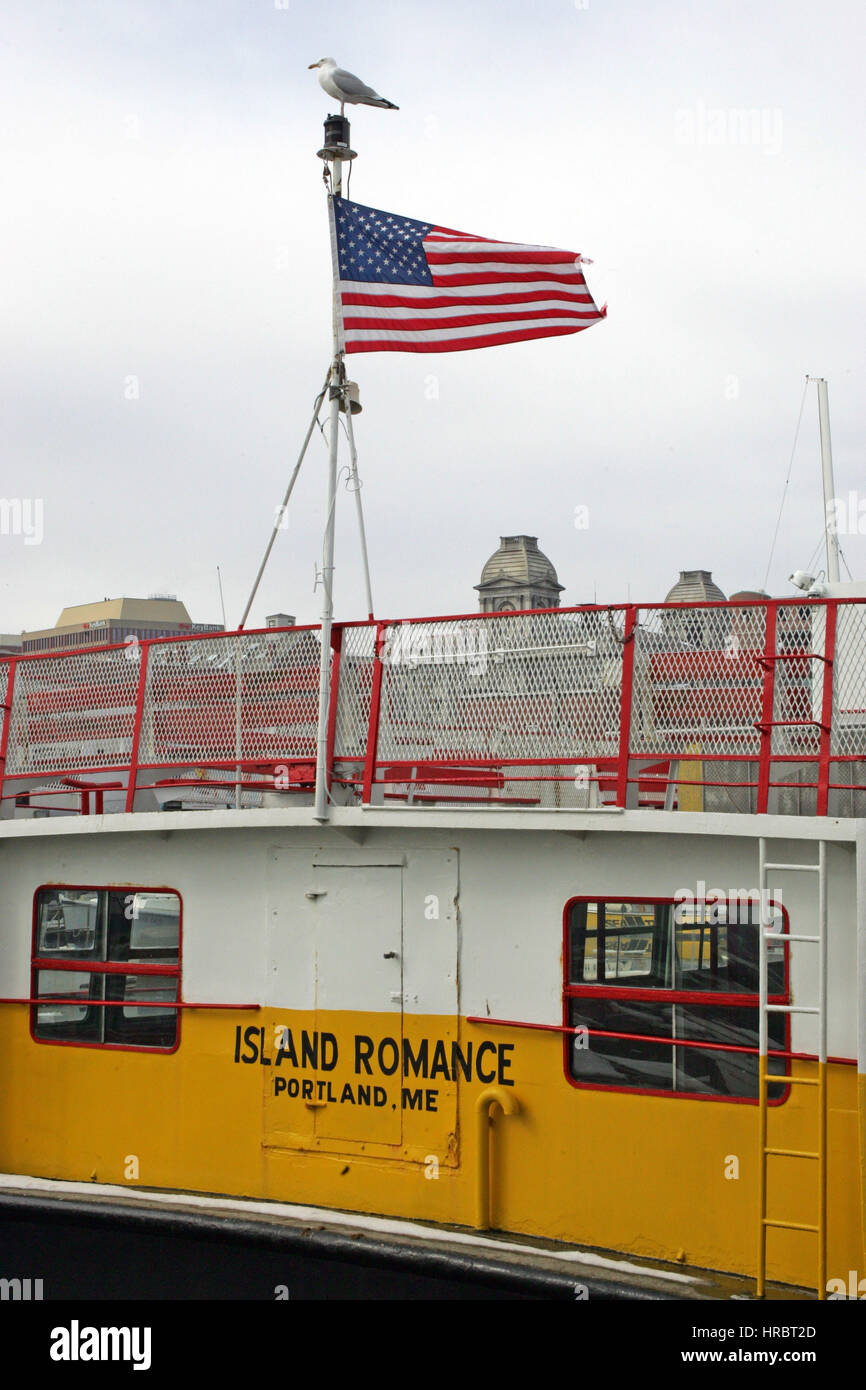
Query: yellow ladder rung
790, 1225
773, 1079
791, 1153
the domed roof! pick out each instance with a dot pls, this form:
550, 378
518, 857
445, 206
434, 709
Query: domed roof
694, 586
748, 593
519, 561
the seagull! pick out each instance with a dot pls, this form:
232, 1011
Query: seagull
346, 87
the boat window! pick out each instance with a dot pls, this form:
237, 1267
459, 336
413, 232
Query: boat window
143, 926
700, 1035
140, 1022
75, 1022
615, 941
112, 931
68, 923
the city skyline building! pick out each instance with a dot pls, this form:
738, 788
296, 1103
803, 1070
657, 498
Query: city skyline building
115, 620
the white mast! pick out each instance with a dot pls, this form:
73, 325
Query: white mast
829, 489
335, 151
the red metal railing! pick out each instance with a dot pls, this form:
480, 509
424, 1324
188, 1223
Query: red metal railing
755, 706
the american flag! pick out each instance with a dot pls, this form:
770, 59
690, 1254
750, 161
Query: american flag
408, 286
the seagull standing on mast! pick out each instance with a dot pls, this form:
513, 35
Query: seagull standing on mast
346, 87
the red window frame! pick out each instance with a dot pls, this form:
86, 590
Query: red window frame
120, 967
665, 996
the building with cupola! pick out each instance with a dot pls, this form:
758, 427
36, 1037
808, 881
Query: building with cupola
518, 576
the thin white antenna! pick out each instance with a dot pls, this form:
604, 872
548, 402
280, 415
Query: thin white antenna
829, 491
222, 600
787, 481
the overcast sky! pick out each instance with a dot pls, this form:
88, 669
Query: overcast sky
166, 287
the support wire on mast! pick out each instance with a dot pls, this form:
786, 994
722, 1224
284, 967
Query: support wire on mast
787, 481
356, 487
278, 523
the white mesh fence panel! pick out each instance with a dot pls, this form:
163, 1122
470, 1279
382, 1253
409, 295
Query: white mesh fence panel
698, 681
355, 688
4, 686
530, 686
720, 791
73, 712
849, 683
247, 697
799, 686
201, 791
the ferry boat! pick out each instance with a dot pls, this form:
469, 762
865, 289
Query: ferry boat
519, 951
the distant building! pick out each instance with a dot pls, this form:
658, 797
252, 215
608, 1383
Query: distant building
10, 644
115, 620
518, 575
748, 624
695, 627
694, 586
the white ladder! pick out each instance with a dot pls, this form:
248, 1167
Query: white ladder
765, 1078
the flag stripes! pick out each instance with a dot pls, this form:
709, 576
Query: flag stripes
409, 286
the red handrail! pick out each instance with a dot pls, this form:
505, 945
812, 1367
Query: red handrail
766, 729
334, 695
826, 709
625, 706
189, 735
132, 779
373, 723
7, 721
648, 1037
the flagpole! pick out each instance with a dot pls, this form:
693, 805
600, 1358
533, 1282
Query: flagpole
321, 806
335, 151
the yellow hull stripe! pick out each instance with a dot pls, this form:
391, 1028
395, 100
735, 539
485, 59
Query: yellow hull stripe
370, 1113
